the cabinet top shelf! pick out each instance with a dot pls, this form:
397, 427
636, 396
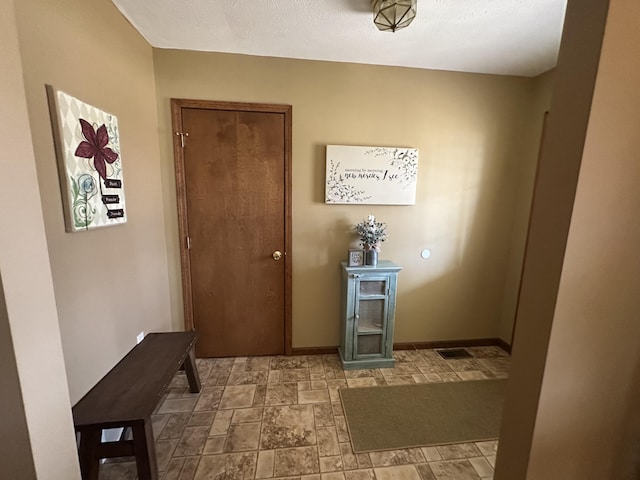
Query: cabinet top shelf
383, 266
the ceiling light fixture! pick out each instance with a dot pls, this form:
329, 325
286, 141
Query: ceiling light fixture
392, 15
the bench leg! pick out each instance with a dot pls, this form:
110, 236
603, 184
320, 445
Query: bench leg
88, 453
191, 370
145, 450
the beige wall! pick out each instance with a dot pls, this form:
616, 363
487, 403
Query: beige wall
598, 293
572, 406
36, 418
110, 283
16, 460
475, 136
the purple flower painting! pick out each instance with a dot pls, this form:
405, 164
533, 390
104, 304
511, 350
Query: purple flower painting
88, 149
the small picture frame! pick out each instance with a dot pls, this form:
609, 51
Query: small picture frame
356, 257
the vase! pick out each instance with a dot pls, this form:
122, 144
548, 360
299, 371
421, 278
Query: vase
371, 258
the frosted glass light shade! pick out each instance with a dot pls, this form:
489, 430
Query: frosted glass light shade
392, 15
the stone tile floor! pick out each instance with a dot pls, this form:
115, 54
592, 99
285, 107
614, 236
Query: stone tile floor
281, 418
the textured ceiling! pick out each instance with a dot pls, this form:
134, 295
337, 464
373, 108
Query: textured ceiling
505, 37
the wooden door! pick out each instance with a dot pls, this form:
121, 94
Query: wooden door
233, 186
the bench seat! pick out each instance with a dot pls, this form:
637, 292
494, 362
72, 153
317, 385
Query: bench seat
127, 396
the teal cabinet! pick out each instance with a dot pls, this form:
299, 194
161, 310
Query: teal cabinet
368, 312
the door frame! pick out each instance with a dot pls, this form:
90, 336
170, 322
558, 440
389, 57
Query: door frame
177, 104
543, 134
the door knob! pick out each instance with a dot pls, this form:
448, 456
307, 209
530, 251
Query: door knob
277, 255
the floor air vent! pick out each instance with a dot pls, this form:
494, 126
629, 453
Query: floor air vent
454, 353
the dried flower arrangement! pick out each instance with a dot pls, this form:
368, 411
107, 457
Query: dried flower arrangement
372, 233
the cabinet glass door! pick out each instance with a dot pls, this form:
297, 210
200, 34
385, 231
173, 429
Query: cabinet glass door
371, 313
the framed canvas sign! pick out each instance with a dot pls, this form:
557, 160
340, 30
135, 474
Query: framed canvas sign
371, 175
89, 163
356, 257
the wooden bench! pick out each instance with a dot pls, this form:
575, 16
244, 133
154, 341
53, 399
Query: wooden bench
127, 396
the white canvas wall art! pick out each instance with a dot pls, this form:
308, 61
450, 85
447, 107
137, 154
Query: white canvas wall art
89, 163
371, 175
